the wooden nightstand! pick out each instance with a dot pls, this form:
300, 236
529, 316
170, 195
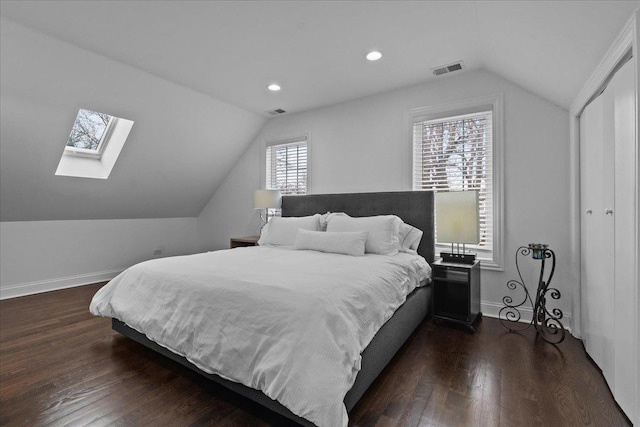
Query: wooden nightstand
456, 293
239, 242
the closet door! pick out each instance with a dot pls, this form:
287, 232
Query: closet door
608, 199
625, 194
597, 260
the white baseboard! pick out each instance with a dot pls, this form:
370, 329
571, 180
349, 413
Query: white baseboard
30, 288
492, 309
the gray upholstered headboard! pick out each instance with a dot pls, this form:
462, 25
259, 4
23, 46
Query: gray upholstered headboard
414, 207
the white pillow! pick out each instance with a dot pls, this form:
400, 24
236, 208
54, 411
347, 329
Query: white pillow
383, 231
281, 231
347, 243
409, 237
324, 219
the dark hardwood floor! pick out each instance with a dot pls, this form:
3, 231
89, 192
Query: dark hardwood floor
59, 365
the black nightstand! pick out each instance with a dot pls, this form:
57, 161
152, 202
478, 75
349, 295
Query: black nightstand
456, 296
240, 242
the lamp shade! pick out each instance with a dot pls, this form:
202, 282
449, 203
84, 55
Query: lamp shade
266, 199
457, 217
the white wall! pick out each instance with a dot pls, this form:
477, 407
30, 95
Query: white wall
181, 147
38, 256
230, 211
60, 231
362, 145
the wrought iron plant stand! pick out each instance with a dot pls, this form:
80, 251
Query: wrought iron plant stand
547, 323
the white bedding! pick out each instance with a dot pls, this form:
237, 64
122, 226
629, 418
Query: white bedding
290, 323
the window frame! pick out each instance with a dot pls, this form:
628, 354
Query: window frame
102, 145
96, 167
283, 140
495, 103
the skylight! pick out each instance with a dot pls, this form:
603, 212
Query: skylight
94, 145
90, 133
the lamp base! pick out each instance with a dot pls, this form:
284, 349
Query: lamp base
458, 258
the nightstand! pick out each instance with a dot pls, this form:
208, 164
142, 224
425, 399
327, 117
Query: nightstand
240, 242
456, 293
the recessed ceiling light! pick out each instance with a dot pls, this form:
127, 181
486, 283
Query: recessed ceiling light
374, 55
274, 87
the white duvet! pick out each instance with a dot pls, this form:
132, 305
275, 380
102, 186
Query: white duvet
289, 323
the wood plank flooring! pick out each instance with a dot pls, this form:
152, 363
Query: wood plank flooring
61, 366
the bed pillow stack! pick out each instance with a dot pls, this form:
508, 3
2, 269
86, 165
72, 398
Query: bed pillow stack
281, 231
342, 234
383, 231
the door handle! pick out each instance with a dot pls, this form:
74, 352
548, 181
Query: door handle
608, 211
588, 211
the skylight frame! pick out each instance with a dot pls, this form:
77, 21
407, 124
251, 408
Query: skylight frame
98, 163
102, 144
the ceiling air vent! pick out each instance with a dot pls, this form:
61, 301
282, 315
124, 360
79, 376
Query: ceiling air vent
448, 68
276, 112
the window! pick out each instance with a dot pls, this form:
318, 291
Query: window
285, 163
286, 166
90, 134
94, 144
458, 149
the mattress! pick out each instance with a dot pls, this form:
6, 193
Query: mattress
292, 326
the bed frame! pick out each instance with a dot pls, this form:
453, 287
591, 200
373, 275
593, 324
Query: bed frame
415, 208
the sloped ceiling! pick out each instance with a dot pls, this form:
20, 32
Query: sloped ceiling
231, 50
193, 77
181, 147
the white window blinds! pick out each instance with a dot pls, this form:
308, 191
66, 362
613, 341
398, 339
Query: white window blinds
453, 154
286, 166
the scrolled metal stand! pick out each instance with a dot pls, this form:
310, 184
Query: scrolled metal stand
547, 323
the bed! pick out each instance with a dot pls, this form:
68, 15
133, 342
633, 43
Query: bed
416, 209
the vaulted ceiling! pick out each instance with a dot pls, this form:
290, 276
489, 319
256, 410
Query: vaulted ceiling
231, 50
193, 75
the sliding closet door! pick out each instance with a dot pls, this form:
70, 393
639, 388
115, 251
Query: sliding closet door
625, 194
597, 262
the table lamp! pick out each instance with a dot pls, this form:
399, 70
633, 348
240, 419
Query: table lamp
457, 221
266, 199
